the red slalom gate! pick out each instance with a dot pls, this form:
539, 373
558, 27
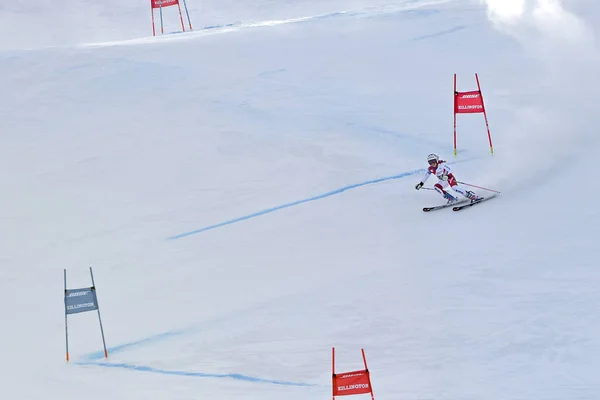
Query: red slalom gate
470, 102
353, 382
160, 4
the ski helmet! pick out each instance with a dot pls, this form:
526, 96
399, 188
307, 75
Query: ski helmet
433, 157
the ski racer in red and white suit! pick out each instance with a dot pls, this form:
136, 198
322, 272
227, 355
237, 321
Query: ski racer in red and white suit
443, 172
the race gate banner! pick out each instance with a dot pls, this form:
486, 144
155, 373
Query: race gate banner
349, 383
353, 382
164, 3
80, 301
470, 102
160, 4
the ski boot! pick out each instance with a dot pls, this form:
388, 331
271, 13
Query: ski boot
450, 198
472, 196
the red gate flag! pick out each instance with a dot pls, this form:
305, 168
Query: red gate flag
160, 4
164, 3
353, 382
348, 383
470, 103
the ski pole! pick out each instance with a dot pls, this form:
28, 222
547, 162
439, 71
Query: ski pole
478, 187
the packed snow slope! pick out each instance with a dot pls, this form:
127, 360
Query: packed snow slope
245, 195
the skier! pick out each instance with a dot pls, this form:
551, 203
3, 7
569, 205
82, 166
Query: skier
444, 174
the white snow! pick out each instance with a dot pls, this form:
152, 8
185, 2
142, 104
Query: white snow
245, 195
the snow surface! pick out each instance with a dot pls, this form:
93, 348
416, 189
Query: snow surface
245, 195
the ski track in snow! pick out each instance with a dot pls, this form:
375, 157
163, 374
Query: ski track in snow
96, 360
240, 377
411, 6
294, 203
302, 201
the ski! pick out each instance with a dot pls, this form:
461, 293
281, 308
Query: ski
474, 202
427, 209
